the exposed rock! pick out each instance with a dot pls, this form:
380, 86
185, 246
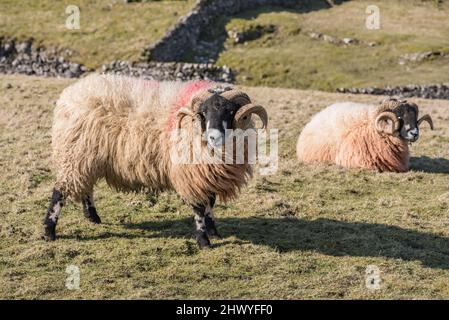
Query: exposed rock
432, 91
252, 33
315, 35
334, 40
207, 51
24, 58
185, 34
350, 41
421, 56
170, 71
329, 39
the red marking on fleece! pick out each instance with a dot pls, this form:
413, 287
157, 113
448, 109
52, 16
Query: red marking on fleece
184, 98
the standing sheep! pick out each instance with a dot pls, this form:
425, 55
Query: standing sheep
123, 130
355, 135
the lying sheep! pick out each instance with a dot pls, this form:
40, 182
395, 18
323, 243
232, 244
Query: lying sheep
122, 129
355, 135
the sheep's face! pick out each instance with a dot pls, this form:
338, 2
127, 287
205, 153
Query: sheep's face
400, 119
217, 115
408, 121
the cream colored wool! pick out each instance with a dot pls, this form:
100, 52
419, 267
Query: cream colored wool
345, 134
119, 128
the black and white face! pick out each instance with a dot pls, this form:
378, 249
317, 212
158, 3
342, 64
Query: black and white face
408, 117
218, 115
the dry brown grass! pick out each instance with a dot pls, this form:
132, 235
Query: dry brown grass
305, 232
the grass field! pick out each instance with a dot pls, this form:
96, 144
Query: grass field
109, 29
304, 232
290, 58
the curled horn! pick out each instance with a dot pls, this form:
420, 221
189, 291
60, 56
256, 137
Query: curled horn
243, 115
237, 96
183, 112
428, 119
200, 98
387, 115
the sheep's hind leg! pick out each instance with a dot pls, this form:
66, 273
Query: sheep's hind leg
209, 219
90, 212
201, 231
51, 218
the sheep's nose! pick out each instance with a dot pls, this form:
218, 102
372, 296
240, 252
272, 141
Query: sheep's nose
413, 134
215, 137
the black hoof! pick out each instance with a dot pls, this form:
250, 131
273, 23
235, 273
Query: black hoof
202, 240
94, 218
49, 233
91, 215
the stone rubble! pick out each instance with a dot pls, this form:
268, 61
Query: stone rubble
432, 91
185, 35
421, 56
170, 71
336, 41
25, 58
252, 33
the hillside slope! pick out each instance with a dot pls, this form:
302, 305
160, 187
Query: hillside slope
291, 56
279, 50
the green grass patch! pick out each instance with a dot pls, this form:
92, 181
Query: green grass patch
109, 30
290, 58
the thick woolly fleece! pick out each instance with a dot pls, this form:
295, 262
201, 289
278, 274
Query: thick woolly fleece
120, 129
344, 134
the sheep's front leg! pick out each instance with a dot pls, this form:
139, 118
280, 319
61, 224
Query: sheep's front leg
209, 219
51, 218
201, 231
90, 212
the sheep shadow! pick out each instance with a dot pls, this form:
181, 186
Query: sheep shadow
327, 236
211, 42
429, 165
